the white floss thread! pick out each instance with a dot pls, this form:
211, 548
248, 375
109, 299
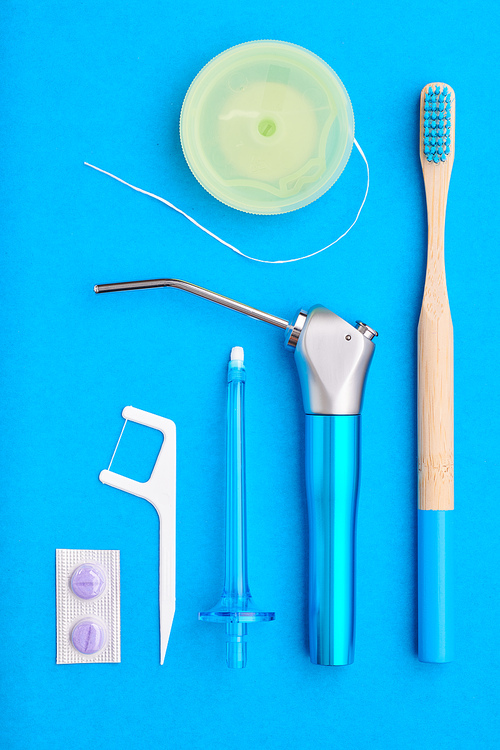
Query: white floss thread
118, 443
227, 244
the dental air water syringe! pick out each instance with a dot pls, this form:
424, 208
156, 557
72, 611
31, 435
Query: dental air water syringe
332, 359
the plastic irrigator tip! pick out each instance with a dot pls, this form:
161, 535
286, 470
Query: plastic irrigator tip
236, 645
237, 353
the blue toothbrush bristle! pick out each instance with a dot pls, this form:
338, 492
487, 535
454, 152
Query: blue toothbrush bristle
437, 124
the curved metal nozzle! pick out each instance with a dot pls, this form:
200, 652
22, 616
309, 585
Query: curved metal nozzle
199, 292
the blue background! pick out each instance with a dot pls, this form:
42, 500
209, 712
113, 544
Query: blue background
104, 82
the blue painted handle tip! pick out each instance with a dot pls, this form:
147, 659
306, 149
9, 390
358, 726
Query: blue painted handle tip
435, 586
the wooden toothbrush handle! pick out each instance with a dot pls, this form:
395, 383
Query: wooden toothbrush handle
435, 405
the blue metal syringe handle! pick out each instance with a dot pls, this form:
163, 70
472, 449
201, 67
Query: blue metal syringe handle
332, 359
332, 472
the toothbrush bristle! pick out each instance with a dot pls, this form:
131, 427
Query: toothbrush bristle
437, 124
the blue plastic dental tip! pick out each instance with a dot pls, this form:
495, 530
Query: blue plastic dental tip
236, 607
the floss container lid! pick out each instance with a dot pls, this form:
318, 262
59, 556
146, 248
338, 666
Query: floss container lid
267, 127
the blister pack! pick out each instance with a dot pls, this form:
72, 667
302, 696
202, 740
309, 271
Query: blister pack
88, 606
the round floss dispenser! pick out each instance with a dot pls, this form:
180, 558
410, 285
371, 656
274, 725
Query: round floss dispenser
267, 127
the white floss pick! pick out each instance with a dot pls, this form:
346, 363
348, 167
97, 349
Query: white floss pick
159, 490
227, 244
88, 606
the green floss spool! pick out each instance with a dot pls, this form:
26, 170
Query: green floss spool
267, 127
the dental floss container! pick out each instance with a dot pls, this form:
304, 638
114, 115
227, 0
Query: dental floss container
267, 127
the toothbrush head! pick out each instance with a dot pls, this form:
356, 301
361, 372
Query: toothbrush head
437, 123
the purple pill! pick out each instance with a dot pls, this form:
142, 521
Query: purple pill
89, 636
88, 581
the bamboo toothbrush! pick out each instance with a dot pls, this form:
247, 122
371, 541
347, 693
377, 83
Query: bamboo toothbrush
435, 388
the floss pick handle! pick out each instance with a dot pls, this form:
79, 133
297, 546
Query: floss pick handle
159, 490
